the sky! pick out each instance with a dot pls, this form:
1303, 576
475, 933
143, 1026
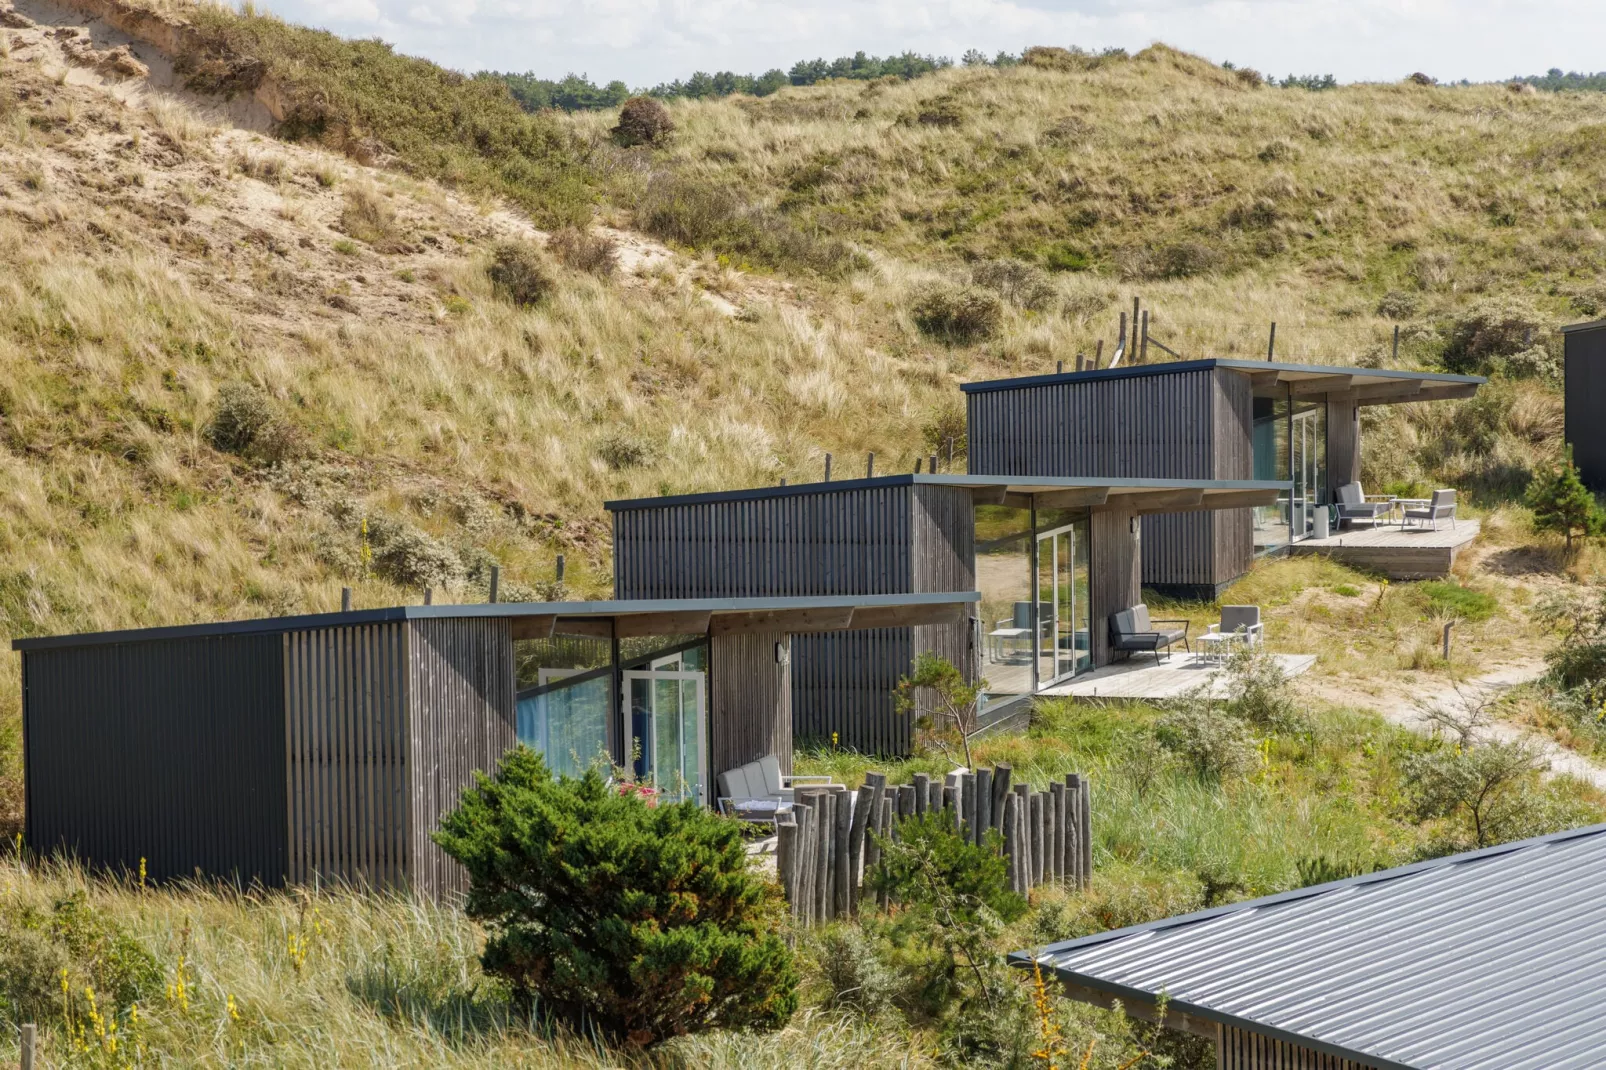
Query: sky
644, 42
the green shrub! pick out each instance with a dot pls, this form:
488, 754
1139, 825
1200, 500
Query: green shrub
1213, 742
1484, 794
1063, 256
368, 217
702, 215
957, 314
1260, 691
584, 251
1446, 598
30, 974
1480, 339
643, 121
642, 922
1561, 503
519, 273
853, 972
247, 424
620, 452
1021, 284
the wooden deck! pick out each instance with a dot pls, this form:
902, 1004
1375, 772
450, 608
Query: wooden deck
1400, 554
1141, 678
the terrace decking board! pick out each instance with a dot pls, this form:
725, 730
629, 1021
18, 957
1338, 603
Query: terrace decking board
1141, 678
1408, 554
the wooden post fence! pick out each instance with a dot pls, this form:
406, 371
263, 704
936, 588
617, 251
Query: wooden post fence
827, 847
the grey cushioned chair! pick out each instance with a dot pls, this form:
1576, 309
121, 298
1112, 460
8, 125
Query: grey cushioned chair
1131, 630
1440, 507
1355, 504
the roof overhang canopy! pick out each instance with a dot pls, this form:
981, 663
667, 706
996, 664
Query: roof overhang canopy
1364, 386
1143, 496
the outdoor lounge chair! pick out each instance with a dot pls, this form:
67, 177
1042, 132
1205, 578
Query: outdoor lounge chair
1355, 504
1132, 630
758, 791
1240, 625
1430, 512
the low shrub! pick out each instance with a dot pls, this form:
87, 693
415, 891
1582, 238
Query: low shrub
1446, 598
620, 452
854, 974
1182, 259
368, 216
519, 273
1398, 305
643, 121
247, 424
1063, 256
703, 215
641, 922
1213, 742
1017, 282
958, 314
584, 251
1496, 335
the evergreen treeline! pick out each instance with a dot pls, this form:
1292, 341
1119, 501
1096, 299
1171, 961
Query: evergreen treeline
578, 93
1555, 78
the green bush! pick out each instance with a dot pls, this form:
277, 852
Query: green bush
957, 314
1213, 742
1446, 598
30, 974
584, 251
642, 922
853, 972
1491, 332
247, 424
519, 273
701, 215
643, 121
1019, 283
1561, 503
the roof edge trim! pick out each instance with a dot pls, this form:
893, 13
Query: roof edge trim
1182, 366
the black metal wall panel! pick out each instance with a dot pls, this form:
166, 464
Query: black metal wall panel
1585, 392
1163, 426
849, 540
172, 751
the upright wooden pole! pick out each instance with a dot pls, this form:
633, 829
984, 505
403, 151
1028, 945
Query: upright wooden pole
1050, 835
869, 467
1087, 831
861, 814
984, 805
828, 468
345, 599
429, 596
922, 793
967, 803
562, 566
1038, 836
1012, 844
1098, 354
1001, 776
1023, 793
841, 856
30, 1043
1396, 357
1081, 362
1271, 343
1057, 791
785, 841
1143, 346
496, 582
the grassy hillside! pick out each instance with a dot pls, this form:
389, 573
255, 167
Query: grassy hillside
416, 425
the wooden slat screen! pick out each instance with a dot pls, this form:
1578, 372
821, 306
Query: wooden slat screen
1240, 1049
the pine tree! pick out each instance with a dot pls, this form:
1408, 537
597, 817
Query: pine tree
639, 921
1562, 503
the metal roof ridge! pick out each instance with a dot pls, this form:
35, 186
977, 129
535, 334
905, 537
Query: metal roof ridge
1028, 956
1206, 363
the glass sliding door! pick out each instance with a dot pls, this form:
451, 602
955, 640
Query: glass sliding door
1063, 630
1308, 446
668, 731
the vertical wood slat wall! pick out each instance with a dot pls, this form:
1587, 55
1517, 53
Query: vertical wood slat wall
1241, 1049
347, 755
853, 539
749, 701
1179, 425
1115, 581
461, 719
1343, 441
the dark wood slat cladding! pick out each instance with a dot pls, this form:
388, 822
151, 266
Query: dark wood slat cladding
1343, 441
345, 737
461, 720
1183, 425
1241, 1049
749, 701
1115, 581
855, 541
169, 751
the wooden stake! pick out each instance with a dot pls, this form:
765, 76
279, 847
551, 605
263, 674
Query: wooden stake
922, 793
856, 830
1098, 354
1039, 836
345, 599
869, 467
562, 565
496, 582
1271, 344
984, 805
429, 596
828, 468
1143, 346
1050, 834
1012, 844
841, 856
967, 804
30, 1039
1396, 343
1001, 774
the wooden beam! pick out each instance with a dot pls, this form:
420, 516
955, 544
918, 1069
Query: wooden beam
1261, 382
790, 621
908, 616
1142, 1009
663, 624
1017, 501
1239, 499
989, 495
1433, 392
1325, 384
1156, 501
1079, 498
1404, 390
591, 627
533, 627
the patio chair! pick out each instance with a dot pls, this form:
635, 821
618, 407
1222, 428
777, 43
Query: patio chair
1131, 630
758, 791
1355, 504
1430, 512
1239, 625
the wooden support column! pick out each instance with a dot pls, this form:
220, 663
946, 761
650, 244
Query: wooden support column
1343, 440
1117, 568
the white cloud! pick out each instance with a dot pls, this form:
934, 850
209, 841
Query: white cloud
647, 41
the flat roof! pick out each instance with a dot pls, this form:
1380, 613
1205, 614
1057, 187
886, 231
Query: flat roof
1269, 369
1592, 325
1490, 960
1117, 488
674, 615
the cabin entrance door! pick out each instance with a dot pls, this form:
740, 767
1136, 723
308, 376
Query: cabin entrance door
666, 711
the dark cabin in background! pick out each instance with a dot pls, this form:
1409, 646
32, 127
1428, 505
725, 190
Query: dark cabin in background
1585, 394
1052, 559
1298, 424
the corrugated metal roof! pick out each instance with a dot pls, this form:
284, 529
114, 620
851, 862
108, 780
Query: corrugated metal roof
1493, 960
